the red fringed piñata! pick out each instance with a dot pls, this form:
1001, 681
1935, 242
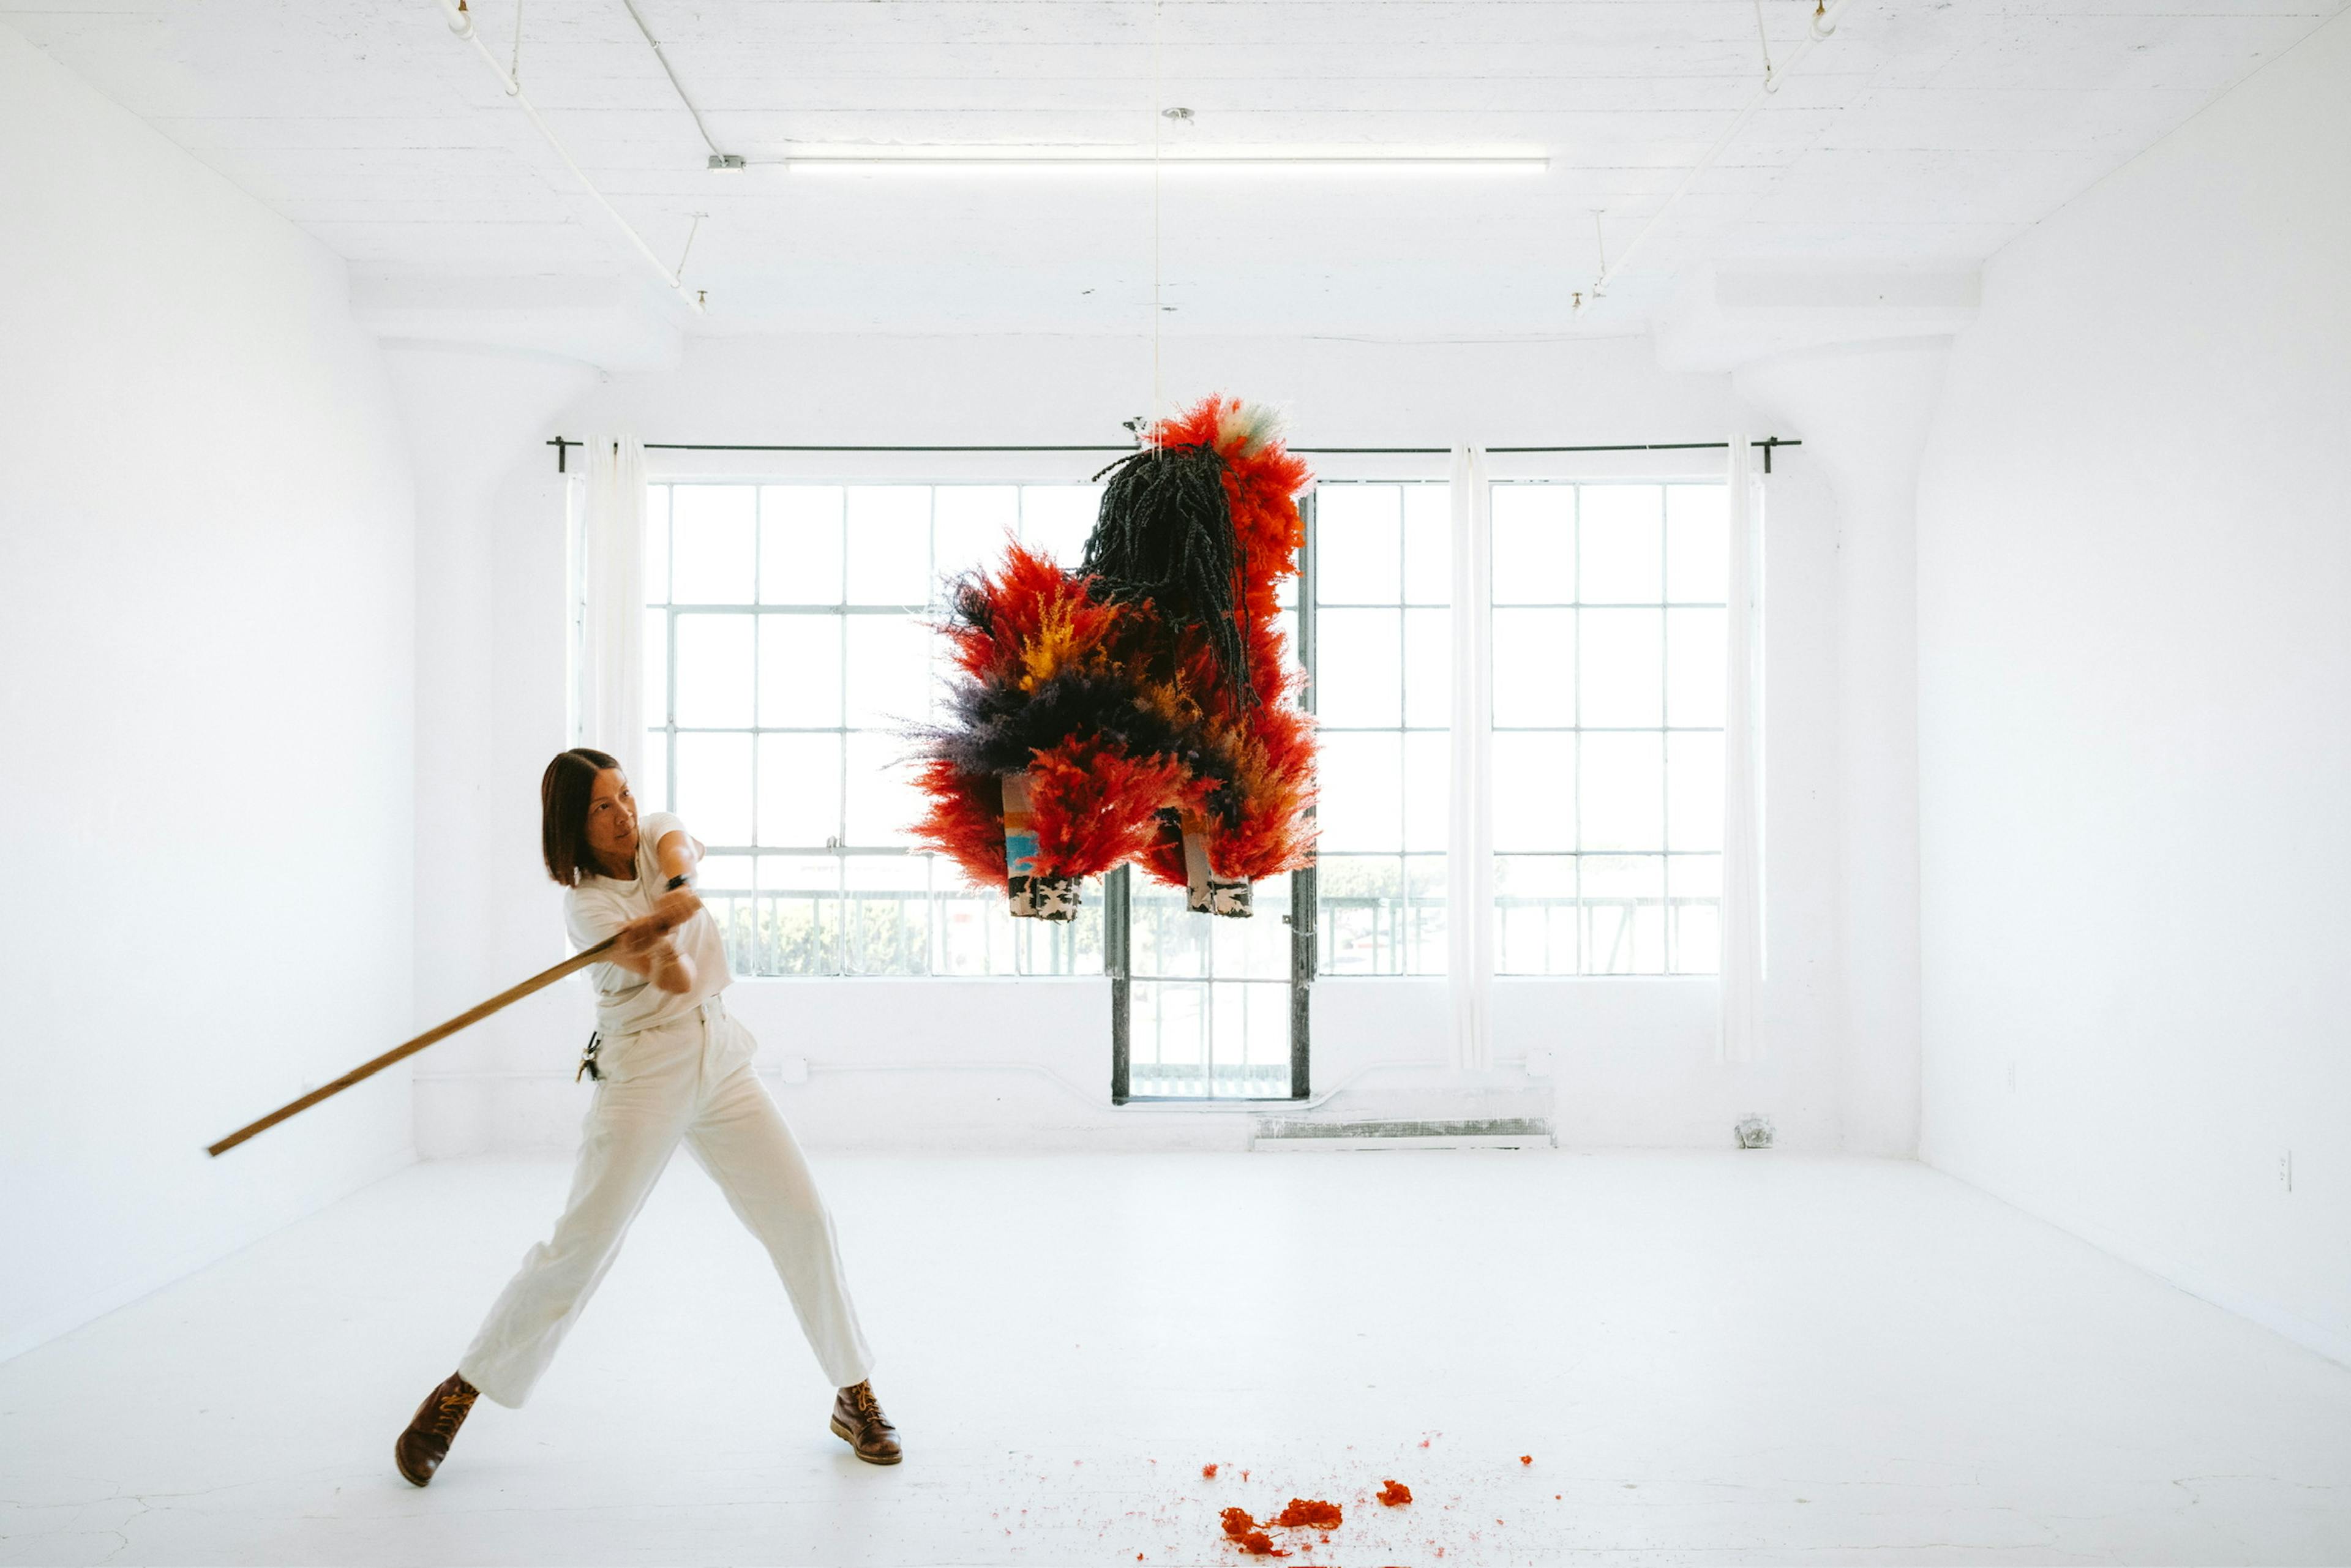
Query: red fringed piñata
1136, 708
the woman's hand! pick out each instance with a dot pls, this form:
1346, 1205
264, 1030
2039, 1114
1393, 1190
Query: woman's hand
643, 946
674, 909
672, 970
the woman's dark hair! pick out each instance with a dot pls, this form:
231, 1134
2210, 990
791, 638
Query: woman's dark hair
564, 792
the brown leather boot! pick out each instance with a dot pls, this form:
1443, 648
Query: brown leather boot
857, 1420
420, 1451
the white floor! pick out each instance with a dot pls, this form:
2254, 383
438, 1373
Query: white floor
1735, 1358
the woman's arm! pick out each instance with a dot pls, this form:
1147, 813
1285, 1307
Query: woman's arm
644, 948
679, 853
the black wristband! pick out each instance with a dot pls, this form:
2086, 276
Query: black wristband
675, 883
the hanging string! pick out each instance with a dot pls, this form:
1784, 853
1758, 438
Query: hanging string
1157, 118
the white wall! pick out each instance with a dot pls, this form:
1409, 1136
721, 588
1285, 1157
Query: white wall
1863, 411
2135, 665
909, 1063
204, 622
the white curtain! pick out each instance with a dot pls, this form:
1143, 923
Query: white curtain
1469, 841
1742, 752
608, 709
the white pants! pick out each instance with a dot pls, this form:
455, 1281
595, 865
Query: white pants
689, 1080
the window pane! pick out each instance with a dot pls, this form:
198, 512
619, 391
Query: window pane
1427, 790
711, 530
656, 667
800, 916
799, 544
725, 873
1253, 1036
1427, 667
1168, 1038
713, 788
1534, 544
1696, 671
885, 914
882, 801
1059, 518
1694, 791
1697, 543
799, 670
1536, 922
1257, 948
1622, 793
889, 671
1168, 938
1622, 530
714, 670
1535, 792
1425, 915
1285, 626
1693, 888
1534, 667
1362, 898
889, 544
656, 544
1357, 538
1428, 544
1621, 663
971, 524
799, 791
651, 780
1624, 911
1362, 803
1361, 668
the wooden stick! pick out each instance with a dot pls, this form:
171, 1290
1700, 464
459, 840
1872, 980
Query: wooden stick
538, 982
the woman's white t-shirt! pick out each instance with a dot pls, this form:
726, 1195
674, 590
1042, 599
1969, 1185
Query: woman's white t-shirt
597, 907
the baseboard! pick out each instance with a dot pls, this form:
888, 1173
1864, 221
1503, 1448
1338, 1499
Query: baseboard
2314, 1337
147, 1281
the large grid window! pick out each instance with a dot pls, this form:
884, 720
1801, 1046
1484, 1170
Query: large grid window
788, 644
1608, 659
1381, 696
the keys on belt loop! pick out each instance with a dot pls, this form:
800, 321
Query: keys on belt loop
587, 1058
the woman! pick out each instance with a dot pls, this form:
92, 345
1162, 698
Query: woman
669, 1064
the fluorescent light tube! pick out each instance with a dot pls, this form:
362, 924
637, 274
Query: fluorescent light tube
1186, 160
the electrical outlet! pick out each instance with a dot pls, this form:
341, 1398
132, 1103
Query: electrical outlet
2285, 1170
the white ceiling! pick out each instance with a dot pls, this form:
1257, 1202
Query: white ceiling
1920, 138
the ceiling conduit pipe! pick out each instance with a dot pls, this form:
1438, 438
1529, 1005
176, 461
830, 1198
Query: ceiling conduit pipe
1824, 21
461, 22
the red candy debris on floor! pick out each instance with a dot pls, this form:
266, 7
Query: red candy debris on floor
1257, 1543
1237, 1522
1395, 1494
1526, 1459
1312, 1513
1207, 1472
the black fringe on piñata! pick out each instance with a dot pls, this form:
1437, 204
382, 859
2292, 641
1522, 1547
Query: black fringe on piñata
994, 729
1165, 533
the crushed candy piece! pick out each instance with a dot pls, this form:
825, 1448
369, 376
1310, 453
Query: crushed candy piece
1257, 1543
1311, 1512
1395, 1494
1237, 1522
1526, 1459
1207, 1472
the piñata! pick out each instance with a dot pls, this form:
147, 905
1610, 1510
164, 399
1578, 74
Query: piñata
1135, 707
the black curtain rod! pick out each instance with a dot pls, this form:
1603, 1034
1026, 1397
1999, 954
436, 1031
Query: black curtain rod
563, 444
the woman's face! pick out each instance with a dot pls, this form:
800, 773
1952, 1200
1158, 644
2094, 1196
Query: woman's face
613, 822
